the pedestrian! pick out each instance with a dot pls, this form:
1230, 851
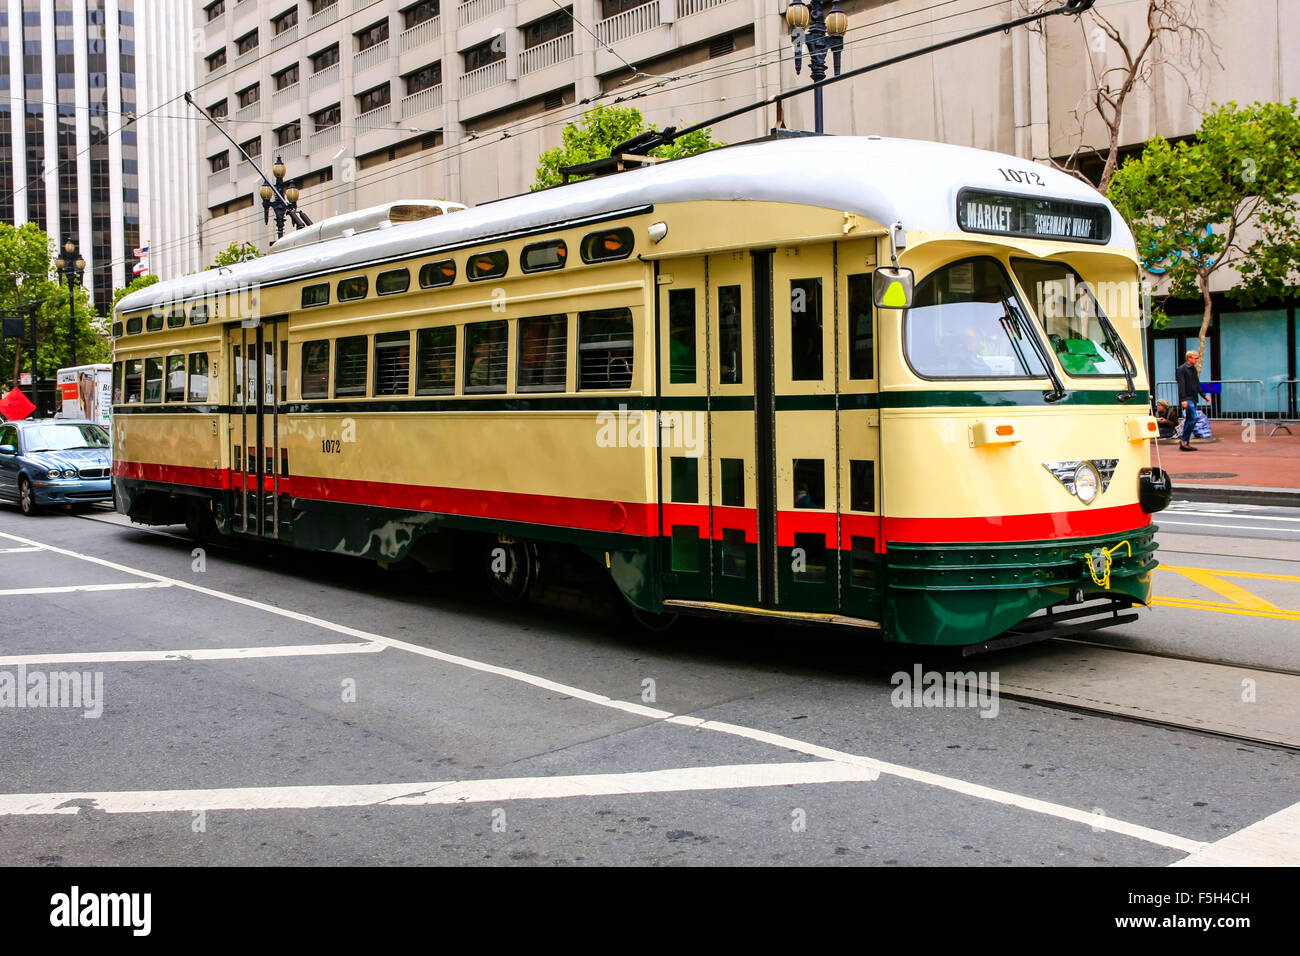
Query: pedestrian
1189, 392
1167, 418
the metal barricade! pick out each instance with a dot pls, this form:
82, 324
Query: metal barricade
1288, 412
1231, 399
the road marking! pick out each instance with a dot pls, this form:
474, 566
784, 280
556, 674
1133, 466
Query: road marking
69, 588
1206, 524
1195, 605
191, 654
1235, 593
428, 793
1242, 601
1004, 797
1245, 515
19, 550
1256, 575
1273, 841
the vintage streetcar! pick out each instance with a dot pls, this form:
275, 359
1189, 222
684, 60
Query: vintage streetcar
903, 396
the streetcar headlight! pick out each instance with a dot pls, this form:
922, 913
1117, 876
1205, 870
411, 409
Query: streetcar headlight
54, 473
1087, 482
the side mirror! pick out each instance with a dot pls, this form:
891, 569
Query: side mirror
8, 450
891, 287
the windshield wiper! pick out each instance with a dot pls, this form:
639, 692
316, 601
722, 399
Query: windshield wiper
1058, 387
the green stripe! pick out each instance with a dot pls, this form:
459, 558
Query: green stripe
1019, 397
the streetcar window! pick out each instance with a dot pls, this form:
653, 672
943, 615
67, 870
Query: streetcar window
316, 369
542, 256
809, 483
434, 274
607, 245
486, 356
863, 574
350, 365
133, 377
1081, 334
605, 349
153, 378
862, 486
681, 336
812, 569
392, 282
543, 354
436, 354
964, 323
805, 329
392, 363
117, 330
733, 482
284, 371
199, 315
175, 386
133, 325
154, 322
685, 480
730, 371
686, 548
313, 295
862, 363
487, 265
176, 319
198, 383
353, 288
117, 383
734, 557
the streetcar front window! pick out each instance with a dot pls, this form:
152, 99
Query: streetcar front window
1082, 336
965, 323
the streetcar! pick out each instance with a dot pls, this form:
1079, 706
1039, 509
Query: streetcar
903, 397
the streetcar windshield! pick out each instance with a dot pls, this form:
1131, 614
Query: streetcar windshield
965, 323
1083, 338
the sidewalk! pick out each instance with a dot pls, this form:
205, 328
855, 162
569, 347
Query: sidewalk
1235, 466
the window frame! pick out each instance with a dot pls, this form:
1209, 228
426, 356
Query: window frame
419, 355
562, 250
494, 254
592, 237
324, 373
555, 319
351, 391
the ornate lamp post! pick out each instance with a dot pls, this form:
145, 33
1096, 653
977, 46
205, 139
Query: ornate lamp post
821, 31
282, 198
71, 271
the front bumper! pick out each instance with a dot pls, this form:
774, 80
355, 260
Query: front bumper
72, 491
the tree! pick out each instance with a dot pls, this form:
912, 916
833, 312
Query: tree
135, 285
1171, 36
1226, 198
235, 252
599, 130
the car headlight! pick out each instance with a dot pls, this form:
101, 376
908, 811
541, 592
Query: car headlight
54, 473
1087, 482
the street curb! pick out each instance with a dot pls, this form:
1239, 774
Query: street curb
1238, 495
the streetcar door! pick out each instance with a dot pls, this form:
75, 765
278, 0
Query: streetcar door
258, 460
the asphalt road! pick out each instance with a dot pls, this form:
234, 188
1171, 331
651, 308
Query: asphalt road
272, 707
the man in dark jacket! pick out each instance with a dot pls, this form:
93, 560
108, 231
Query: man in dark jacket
1189, 392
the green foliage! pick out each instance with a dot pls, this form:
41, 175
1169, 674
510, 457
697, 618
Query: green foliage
27, 279
135, 285
233, 253
1228, 198
601, 129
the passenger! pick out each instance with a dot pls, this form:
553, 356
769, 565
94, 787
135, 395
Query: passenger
480, 372
802, 498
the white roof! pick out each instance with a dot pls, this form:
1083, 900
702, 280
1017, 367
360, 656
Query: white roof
885, 180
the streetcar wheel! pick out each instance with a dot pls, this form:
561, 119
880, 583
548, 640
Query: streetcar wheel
26, 497
198, 522
655, 623
512, 570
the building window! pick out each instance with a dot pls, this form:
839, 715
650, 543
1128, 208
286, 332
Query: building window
219, 162
219, 109
318, 5
216, 60
372, 35
612, 8
325, 58
326, 118
214, 10
480, 56
286, 78
423, 78
249, 95
290, 133
420, 13
246, 44
253, 147
373, 99
285, 21
558, 24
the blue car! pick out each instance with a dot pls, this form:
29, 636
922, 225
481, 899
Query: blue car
54, 462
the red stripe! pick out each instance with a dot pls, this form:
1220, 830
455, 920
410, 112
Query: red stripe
173, 474
1031, 527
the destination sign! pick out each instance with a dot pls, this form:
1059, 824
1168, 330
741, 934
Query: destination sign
1005, 215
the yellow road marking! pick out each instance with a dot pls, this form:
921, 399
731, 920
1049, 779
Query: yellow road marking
1256, 575
1233, 592
1224, 608
1240, 600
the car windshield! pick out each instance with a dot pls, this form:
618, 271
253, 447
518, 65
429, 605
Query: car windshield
64, 437
964, 323
1083, 338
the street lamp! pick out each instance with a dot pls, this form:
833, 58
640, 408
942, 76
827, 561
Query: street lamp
820, 30
71, 270
282, 199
